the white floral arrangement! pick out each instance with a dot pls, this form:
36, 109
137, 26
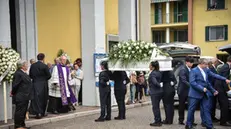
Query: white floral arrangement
128, 52
8, 63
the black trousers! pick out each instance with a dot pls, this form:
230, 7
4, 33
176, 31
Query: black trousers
80, 93
55, 104
169, 106
139, 93
20, 114
156, 107
224, 107
182, 100
105, 104
120, 99
214, 104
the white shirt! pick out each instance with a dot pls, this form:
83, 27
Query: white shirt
202, 72
188, 68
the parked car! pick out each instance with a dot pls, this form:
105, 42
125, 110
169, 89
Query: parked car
178, 51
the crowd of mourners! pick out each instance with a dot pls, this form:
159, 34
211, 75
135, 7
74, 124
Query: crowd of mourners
56, 88
202, 86
41, 88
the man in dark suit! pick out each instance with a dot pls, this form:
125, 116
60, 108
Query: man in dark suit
39, 72
21, 93
121, 80
212, 68
169, 82
222, 88
183, 87
199, 92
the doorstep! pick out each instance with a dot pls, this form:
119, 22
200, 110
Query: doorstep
80, 111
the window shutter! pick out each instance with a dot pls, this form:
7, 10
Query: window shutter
175, 11
153, 36
208, 4
206, 33
175, 36
226, 32
221, 4
156, 14
185, 11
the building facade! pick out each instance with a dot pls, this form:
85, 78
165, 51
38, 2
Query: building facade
205, 23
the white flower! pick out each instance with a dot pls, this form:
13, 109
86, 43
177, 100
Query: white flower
126, 56
150, 52
137, 47
129, 48
146, 46
145, 55
140, 51
115, 55
133, 52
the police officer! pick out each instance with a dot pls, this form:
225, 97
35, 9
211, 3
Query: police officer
104, 93
121, 80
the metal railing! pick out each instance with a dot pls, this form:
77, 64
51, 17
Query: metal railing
168, 18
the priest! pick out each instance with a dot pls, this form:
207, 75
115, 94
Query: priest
60, 94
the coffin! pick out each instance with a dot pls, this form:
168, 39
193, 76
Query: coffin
164, 62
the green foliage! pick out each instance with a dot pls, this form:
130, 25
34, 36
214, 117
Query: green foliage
60, 52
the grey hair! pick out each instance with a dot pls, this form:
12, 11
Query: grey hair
21, 63
203, 61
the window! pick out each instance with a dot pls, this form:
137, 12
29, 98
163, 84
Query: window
158, 36
216, 4
180, 35
216, 33
181, 11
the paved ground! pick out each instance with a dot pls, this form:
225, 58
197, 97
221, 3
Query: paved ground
137, 118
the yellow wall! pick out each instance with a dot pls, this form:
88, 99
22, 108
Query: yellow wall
59, 27
111, 16
203, 18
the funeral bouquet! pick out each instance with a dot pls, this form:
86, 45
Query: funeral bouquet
131, 52
8, 63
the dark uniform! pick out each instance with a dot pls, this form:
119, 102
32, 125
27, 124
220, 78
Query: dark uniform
105, 95
22, 93
183, 90
39, 72
156, 93
222, 88
121, 80
169, 81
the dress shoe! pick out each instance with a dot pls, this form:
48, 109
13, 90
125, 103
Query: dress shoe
181, 123
55, 112
166, 122
99, 120
203, 125
189, 127
107, 119
156, 124
225, 124
38, 116
215, 119
194, 124
118, 118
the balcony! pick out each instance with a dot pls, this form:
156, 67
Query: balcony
175, 19
161, 1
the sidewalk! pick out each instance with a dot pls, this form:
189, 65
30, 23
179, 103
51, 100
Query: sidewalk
80, 111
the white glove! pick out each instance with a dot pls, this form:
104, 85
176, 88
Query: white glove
161, 84
108, 83
172, 83
124, 82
